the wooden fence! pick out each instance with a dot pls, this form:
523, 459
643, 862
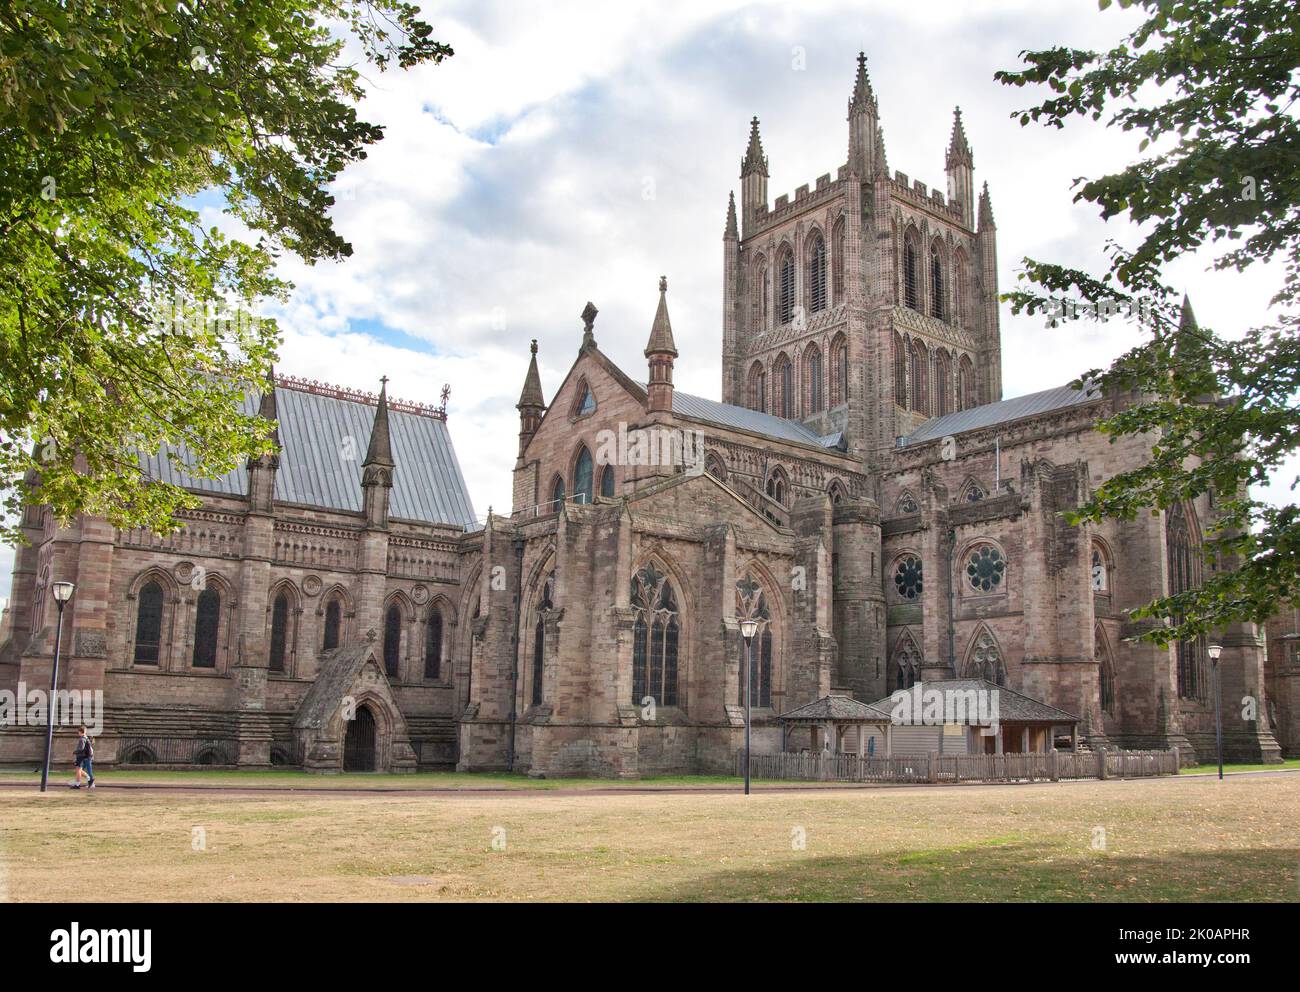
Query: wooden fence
1049, 766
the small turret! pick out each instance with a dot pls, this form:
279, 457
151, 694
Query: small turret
531, 405
377, 469
864, 125
960, 165
261, 470
661, 352
753, 179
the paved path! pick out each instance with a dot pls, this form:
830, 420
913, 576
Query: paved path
487, 792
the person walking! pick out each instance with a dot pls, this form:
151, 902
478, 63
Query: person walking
83, 757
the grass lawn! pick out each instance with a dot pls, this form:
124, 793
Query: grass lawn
1180, 839
1212, 769
469, 781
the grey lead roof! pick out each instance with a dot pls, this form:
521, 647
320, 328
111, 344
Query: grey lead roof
1001, 412
726, 415
323, 442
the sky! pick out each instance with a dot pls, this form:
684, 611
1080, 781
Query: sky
578, 151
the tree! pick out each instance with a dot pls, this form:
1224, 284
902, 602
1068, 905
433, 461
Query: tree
1212, 88
125, 323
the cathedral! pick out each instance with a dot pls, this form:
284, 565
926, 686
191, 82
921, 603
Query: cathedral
862, 492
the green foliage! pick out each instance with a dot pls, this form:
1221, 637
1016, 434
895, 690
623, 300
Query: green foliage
113, 119
1212, 88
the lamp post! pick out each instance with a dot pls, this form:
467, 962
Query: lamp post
1214, 650
748, 628
62, 593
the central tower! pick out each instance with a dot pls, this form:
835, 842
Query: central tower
865, 303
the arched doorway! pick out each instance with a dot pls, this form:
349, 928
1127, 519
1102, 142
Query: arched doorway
359, 745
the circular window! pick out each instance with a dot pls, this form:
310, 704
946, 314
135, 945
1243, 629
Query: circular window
985, 568
907, 577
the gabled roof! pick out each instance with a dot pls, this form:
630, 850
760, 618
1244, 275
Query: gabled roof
1012, 705
324, 437
836, 707
1002, 412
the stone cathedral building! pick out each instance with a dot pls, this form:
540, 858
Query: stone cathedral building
862, 489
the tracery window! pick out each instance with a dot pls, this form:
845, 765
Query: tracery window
911, 275
1184, 575
986, 660
433, 645
207, 624
907, 504
148, 624
936, 282
654, 638
785, 289
907, 656
751, 604
813, 370
985, 568
817, 294
279, 632
582, 477
392, 640
539, 638
908, 579
607, 482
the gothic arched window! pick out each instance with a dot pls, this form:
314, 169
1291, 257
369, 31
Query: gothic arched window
776, 486
785, 289
817, 290
911, 273
539, 639
942, 383
1099, 571
207, 625
392, 641
985, 660
582, 477
840, 291
654, 638
900, 372
1184, 575
920, 358
813, 374
433, 645
279, 632
839, 371
148, 624
785, 387
757, 387
965, 383
760, 295
607, 482
1105, 676
557, 493
751, 604
936, 282
333, 623
907, 659
961, 289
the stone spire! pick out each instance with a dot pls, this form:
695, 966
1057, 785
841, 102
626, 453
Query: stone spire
731, 231
754, 162
377, 469
532, 404
960, 165
532, 392
986, 210
380, 451
865, 151
261, 470
863, 95
1187, 319
661, 352
959, 151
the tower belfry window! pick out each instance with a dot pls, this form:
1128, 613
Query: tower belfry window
817, 291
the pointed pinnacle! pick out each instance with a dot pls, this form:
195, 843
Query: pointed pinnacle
863, 95
959, 150
731, 232
661, 334
754, 161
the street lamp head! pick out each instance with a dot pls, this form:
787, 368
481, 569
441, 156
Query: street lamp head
748, 628
62, 591
1214, 650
